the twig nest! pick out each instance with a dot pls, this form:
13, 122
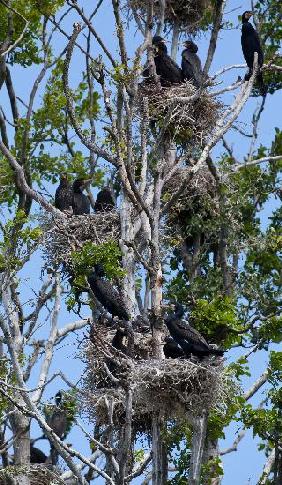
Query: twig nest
186, 13
199, 198
62, 236
179, 113
171, 387
37, 474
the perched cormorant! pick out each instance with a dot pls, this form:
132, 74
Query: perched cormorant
80, 203
36, 455
189, 339
166, 68
250, 44
58, 398
105, 201
191, 64
58, 422
171, 349
107, 295
64, 194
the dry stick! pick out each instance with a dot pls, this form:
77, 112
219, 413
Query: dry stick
218, 14
235, 168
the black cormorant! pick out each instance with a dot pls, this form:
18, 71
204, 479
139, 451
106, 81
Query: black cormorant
80, 203
105, 200
172, 350
106, 294
250, 44
36, 455
64, 194
58, 398
166, 68
189, 339
58, 422
191, 64
117, 341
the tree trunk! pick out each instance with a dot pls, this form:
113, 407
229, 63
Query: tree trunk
20, 427
128, 257
159, 453
197, 448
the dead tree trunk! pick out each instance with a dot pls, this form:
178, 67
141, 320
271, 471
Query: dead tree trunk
159, 453
20, 427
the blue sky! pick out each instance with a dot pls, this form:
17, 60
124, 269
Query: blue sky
244, 466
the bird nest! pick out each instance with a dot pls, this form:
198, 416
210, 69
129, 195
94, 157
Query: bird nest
198, 199
173, 388
179, 113
186, 13
62, 236
37, 474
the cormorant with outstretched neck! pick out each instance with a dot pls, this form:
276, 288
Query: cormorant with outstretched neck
166, 68
80, 203
64, 194
250, 44
191, 64
105, 201
189, 339
106, 294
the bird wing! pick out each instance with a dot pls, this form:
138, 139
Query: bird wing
191, 334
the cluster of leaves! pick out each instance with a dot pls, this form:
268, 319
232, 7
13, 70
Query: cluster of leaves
18, 240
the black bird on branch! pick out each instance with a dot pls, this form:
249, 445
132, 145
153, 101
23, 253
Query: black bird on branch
189, 339
250, 44
106, 294
105, 201
191, 64
80, 202
64, 194
166, 68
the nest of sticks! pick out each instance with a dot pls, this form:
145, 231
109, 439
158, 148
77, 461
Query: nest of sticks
62, 236
173, 388
37, 474
179, 116
186, 13
199, 197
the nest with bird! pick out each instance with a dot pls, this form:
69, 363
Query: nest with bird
187, 14
179, 113
64, 235
37, 474
173, 388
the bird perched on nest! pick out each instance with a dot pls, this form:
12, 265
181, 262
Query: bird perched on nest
189, 339
191, 64
64, 194
171, 349
105, 201
166, 68
58, 422
118, 339
80, 202
106, 294
37, 455
250, 44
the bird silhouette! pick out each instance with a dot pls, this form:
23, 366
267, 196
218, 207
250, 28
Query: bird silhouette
80, 202
166, 68
250, 44
191, 64
64, 194
37, 455
189, 339
105, 201
106, 294
171, 349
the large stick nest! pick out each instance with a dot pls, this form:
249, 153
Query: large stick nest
199, 197
62, 236
37, 474
175, 388
186, 13
181, 118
